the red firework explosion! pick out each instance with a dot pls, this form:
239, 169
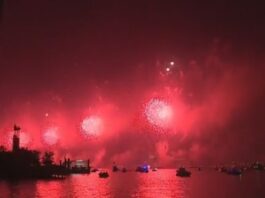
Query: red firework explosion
50, 136
158, 113
92, 126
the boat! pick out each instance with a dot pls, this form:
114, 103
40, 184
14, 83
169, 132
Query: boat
115, 168
234, 171
142, 169
103, 174
222, 169
182, 172
258, 166
93, 170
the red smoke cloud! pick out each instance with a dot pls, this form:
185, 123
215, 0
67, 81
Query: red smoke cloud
206, 98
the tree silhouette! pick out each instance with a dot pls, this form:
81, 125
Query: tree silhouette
2, 149
48, 158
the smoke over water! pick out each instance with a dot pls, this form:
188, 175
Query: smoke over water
212, 119
155, 107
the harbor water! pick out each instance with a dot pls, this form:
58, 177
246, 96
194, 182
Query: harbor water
158, 184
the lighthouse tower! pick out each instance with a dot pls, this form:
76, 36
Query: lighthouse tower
16, 138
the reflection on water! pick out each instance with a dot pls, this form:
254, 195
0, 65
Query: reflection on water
163, 183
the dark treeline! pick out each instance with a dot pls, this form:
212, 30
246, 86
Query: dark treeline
25, 163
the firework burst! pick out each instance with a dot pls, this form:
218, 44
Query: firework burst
158, 113
50, 136
92, 126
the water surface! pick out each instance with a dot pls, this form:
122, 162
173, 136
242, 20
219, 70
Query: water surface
160, 184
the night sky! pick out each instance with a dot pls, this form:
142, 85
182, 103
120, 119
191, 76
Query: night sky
64, 61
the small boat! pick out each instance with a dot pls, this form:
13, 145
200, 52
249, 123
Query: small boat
154, 169
115, 168
142, 169
103, 174
222, 169
93, 170
258, 166
182, 172
234, 171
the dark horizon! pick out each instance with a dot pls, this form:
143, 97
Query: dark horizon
63, 62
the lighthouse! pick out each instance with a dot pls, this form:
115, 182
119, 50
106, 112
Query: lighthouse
16, 138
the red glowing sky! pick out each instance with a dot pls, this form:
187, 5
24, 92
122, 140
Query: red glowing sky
98, 81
